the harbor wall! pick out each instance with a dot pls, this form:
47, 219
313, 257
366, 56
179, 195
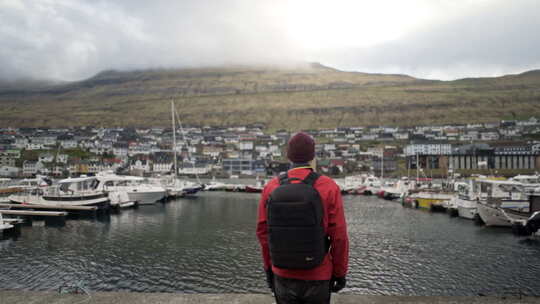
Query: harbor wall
33, 297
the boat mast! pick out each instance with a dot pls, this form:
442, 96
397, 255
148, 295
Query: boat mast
417, 164
186, 143
174, 139
382, 163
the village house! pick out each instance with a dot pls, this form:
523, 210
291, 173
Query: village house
501, 156
140, 164
67, 141
32, 167
9, 171
9, 157
162, 162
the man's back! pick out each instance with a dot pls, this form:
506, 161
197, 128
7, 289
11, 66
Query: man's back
333, 223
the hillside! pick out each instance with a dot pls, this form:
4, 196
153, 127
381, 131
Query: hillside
310, 96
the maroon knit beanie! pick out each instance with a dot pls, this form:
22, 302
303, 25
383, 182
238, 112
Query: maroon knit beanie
301, 148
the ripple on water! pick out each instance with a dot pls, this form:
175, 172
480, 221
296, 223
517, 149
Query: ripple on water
209, 245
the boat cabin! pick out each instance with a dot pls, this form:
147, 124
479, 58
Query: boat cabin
77, 185
500, 190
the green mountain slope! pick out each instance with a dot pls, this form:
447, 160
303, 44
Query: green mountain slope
311, 96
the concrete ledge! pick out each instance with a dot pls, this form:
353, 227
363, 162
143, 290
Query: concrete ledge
34, 297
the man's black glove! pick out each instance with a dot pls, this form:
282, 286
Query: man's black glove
337, 284
270, 279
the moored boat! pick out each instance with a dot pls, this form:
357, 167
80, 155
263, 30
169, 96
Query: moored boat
497, 199
137, 188
80, 191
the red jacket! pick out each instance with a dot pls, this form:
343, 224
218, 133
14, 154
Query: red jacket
335, 263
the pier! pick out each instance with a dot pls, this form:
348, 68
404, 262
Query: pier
33, 297
51, 218
53, 215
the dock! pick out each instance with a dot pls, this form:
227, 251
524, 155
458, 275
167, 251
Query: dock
69, 210
34, 297
50, 207
52, 218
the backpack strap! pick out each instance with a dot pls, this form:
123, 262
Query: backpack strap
311, 178
283, 178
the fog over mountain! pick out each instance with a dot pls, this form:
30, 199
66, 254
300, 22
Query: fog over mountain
75, 39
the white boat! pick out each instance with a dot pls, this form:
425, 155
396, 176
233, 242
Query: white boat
467, 209
371, 185
530, 182
215, 186
80, 191
395, 190
138, 189
4, 225
177, 187
501, 196
5, 190
466, 199
351, 184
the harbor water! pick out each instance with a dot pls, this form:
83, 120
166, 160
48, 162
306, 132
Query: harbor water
208, 245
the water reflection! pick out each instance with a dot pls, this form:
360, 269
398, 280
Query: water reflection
208, 245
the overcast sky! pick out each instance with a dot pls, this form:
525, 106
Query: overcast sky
439, 39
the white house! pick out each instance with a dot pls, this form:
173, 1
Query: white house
329, 147
32, 167
34, 146
21, 142
245, 145
46, 157
62, 158
489, 136
141, 165
163, 167
9, 171
428, 149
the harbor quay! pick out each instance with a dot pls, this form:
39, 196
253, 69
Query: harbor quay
33, 297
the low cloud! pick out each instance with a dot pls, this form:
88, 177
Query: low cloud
75, 39
498, 38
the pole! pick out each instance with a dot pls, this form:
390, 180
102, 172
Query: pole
417, 164
382, 163
174, 140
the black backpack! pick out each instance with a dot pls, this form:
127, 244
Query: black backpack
295, 224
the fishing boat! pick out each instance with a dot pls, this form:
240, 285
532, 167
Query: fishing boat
80, 191
351, 184
466, 199
432, 199
370, 185
531, 183
500, 198
530, 225
395, 190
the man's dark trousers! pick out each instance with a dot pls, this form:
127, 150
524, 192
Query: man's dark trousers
292, 291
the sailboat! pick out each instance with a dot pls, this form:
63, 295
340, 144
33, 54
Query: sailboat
178, 187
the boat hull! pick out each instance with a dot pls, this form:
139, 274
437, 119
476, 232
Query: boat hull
146, 197
493, 216
101, 201
467, 209
467, 212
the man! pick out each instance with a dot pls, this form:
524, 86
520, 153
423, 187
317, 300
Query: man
302, 231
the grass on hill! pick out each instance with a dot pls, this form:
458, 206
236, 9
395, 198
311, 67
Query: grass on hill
307, 98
